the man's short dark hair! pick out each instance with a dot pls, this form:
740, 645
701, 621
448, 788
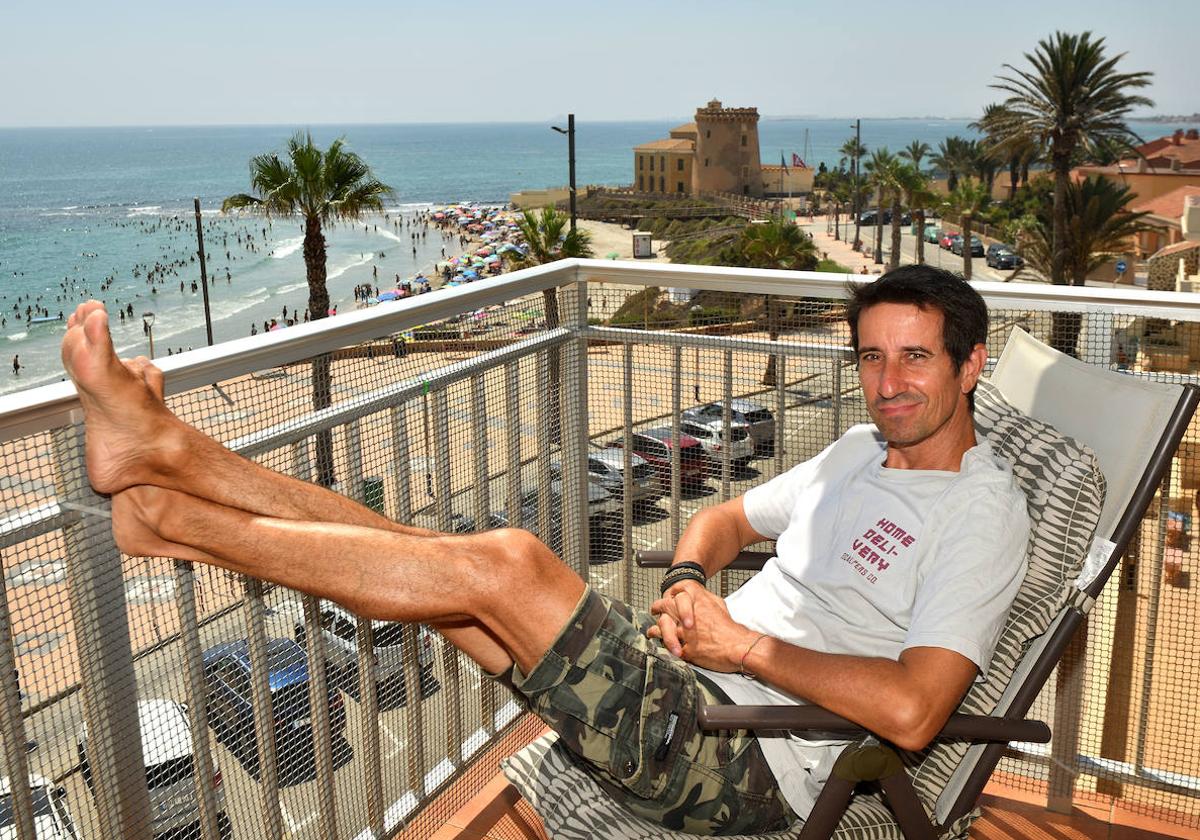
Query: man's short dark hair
964, 314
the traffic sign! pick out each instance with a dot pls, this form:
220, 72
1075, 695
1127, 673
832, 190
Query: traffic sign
1121, 266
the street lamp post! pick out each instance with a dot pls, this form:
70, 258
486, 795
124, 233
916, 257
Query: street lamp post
570, 132
148, 328
203, 273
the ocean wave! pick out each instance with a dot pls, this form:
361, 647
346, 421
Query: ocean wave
340, 270
415, 205
387, 234
287, 247
184, 320
148, 210
17, 336
294, 287
70, 207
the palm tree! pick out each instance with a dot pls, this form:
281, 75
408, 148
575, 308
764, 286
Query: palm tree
882, 167
841, 195
548, 237
969, 198
1073, 100
1016, 151
980, 163
951, 158
1100, 226
914, 153
855, 151
917, 196
777, 244
322, 187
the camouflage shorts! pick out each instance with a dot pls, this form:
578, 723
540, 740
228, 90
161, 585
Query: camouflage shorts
625, 706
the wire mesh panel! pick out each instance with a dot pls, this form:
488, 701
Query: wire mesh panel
1128, 681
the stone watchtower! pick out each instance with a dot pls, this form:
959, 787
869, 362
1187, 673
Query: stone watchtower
727, 157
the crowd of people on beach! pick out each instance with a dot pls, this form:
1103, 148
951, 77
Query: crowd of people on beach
474, 240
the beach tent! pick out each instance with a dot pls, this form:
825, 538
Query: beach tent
391, 294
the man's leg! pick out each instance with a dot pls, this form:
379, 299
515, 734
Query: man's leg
506, 581
133, 439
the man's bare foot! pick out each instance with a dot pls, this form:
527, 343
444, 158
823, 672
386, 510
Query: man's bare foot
129, 431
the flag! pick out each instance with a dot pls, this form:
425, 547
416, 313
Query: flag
783, 163
798, 161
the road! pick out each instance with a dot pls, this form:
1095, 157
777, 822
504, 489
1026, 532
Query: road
934, 255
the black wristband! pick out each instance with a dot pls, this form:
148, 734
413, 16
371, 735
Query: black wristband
686, 570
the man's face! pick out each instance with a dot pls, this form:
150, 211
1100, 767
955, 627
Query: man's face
913, 392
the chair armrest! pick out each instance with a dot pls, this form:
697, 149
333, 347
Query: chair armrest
746, 560
962, 727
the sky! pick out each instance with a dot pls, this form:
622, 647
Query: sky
73, 63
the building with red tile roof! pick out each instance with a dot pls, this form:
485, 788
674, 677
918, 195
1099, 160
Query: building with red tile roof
1163, 219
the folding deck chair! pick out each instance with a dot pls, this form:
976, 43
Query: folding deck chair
1034, 399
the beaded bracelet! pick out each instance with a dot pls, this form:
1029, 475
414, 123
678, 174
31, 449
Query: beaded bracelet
686, 570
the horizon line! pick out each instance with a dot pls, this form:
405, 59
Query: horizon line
548, 120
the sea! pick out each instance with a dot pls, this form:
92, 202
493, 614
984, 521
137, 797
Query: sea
102, 212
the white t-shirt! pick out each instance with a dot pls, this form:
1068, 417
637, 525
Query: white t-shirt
871, 561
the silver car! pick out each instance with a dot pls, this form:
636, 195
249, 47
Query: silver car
736, 440
169, 753
606, 469
339, 632
51, 819
758, 419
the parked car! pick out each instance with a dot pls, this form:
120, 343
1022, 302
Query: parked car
757, 419
1000, 255
947, 240
655, 446
606, 469
736, 439
51, 817
339, 632
169, 754
604, 515
976, 246
1008, 260
933, 235
867, 217
231, 707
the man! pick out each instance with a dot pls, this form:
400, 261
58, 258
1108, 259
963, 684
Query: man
900, 549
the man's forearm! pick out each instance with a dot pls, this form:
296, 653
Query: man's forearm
712, 538
881, 694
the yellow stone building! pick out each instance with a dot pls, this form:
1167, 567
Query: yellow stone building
716, 153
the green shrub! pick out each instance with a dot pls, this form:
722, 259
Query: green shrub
833, 267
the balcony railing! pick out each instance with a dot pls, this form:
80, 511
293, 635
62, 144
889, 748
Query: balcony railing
462, 410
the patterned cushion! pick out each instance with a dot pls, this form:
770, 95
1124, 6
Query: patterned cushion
1065, 492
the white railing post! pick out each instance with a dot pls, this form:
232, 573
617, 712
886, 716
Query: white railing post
573, 424
97, 593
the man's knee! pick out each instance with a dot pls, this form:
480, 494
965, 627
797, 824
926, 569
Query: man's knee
519, 550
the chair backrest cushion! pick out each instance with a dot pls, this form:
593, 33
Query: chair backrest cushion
1065, 489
